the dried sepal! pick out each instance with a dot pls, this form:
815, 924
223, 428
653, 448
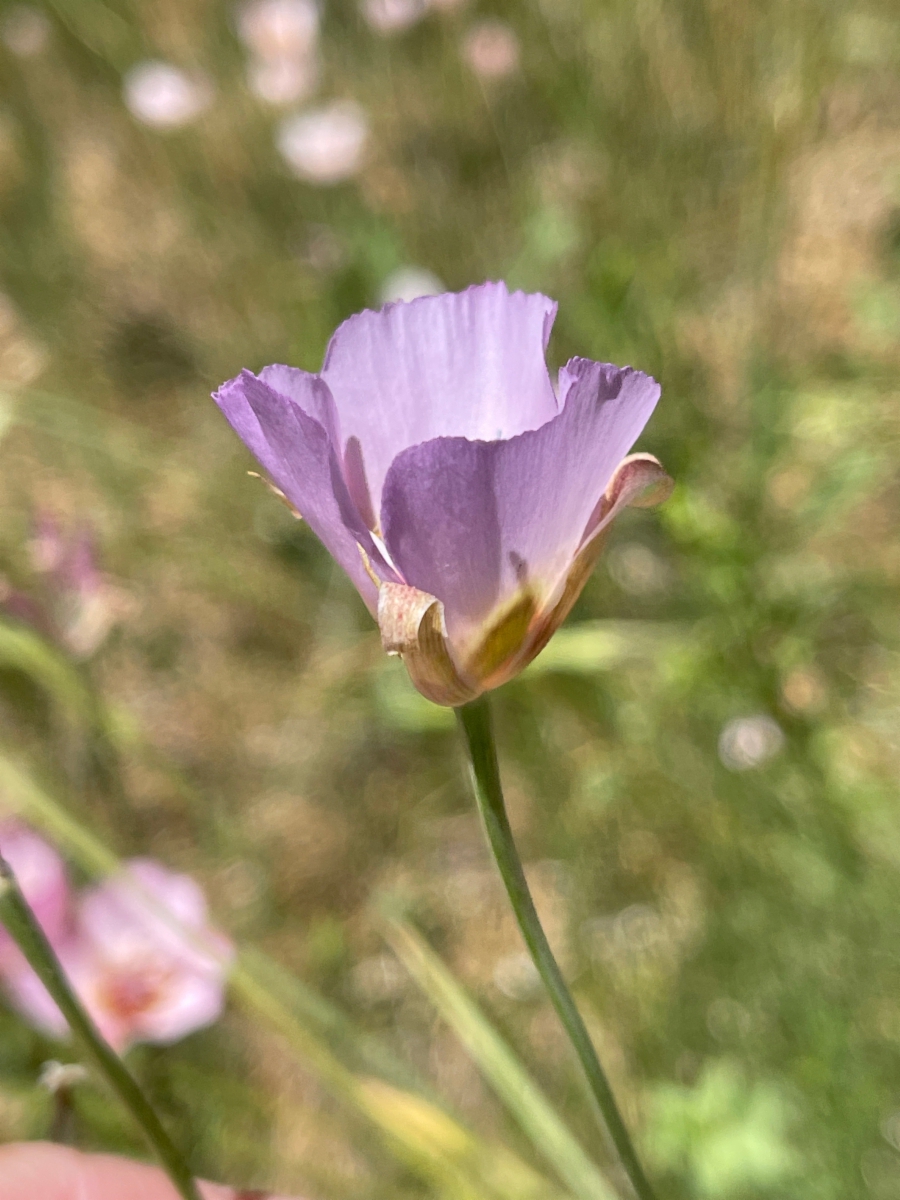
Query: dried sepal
412, 626
639, 481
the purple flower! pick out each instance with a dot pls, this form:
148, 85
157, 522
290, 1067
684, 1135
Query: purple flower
465, 497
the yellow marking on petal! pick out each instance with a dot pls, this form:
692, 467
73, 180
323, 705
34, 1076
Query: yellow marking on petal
504, 639
367, 566
579, 573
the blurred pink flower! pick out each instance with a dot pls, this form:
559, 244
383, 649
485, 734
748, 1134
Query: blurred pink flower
164, 96
142, 958
391, 16
73, 603
275, 30
491, 49
282, 37
41, 874
325, 145
280, 81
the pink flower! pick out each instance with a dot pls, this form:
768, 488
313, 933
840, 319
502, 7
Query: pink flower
73, 603
280, 81
491, 49
142, 958
390, 16
325, 145
163, 96
281, 36
41, 875
279, 29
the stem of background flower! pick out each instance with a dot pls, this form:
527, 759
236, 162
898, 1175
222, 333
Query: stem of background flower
23, 928
475, 722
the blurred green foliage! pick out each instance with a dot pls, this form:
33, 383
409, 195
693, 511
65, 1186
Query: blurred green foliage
712, 192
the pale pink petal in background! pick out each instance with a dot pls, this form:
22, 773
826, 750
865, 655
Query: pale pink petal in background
142, 958
42, 1171
392, 16
491, 49
41, 874
283, 81
32, 1000
164, 96
274, 30
325, 145
144, 977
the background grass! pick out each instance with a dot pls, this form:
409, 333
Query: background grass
712, 192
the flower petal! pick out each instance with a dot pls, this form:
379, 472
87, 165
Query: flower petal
477, 524
639, 481
295, 449
468, 363
188, 1001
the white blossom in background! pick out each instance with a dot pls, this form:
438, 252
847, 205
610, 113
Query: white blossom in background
491, 49
275, 30
283, 81
325, 145
408, 283
25, 31
391, 16
748, 742
163, 96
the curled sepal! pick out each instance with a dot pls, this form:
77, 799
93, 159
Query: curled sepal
639, 481
412, 625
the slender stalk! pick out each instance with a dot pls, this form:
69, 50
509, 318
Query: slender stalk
22, 927
475, 722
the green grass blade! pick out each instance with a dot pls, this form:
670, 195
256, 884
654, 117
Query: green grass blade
22, 649
499, 1065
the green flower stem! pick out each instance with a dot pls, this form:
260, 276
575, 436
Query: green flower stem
22, 927
475, 721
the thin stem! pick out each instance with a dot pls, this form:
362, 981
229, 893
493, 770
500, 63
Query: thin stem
22, 927
475, 722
